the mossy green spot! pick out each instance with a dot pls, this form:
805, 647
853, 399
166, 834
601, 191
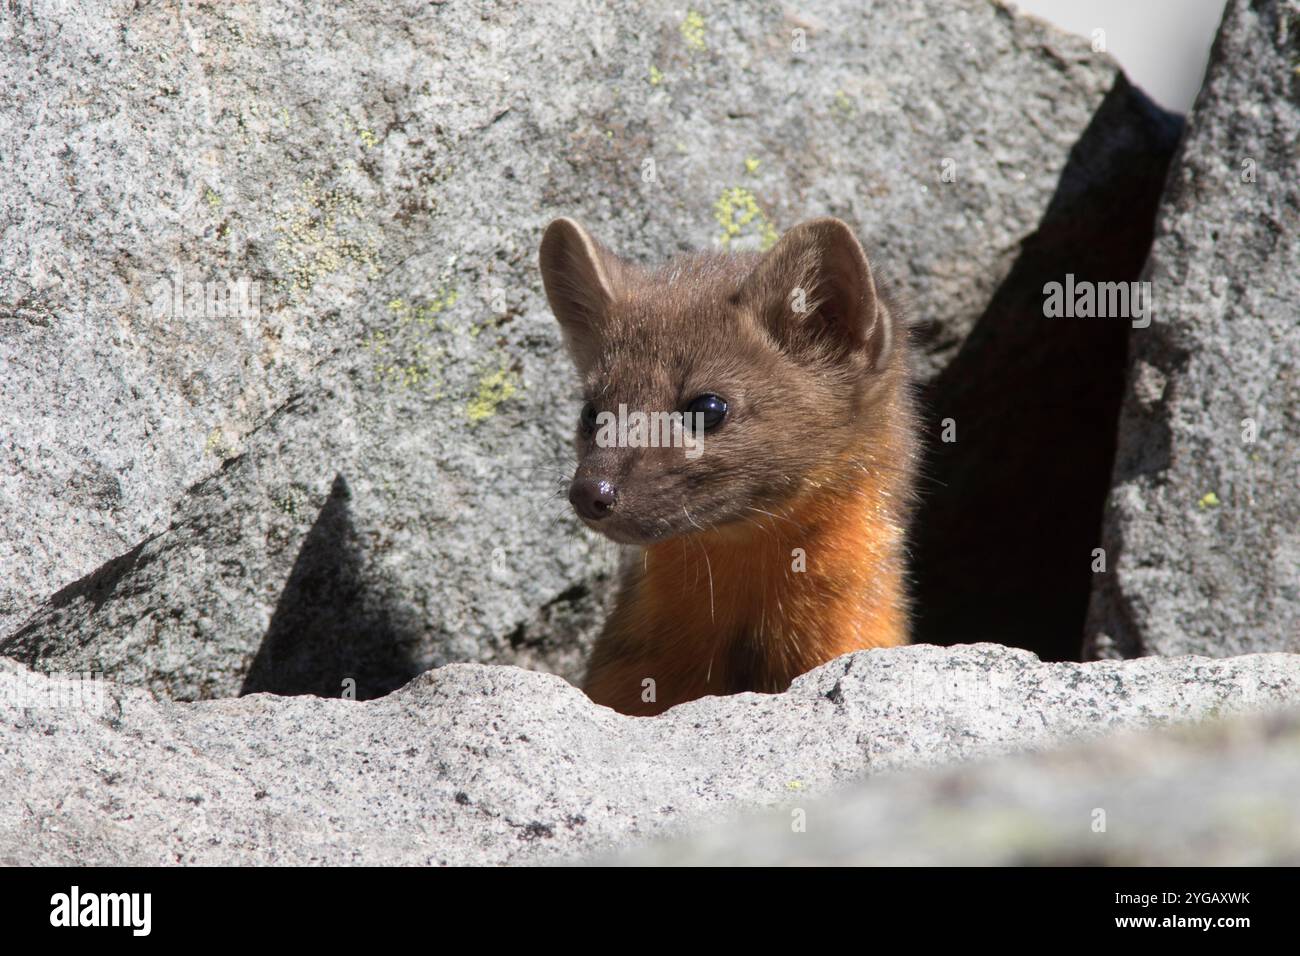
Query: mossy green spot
288, 500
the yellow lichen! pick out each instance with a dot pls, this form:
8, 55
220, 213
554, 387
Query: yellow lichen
321, 234
693, 30
417, 364
425, 313
736, 209
1209, 500
288, 500
218, 444
656, 76
402, 354
751, 165
493, 389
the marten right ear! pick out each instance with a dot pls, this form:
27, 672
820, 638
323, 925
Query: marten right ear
581, 278
814, 290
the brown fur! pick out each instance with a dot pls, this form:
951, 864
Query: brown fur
816, 454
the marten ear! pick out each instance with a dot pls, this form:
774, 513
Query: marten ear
581, 278
814, 289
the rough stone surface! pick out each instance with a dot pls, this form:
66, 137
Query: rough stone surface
1203, 523
482, 764
393, 417
280, 574
1211, 795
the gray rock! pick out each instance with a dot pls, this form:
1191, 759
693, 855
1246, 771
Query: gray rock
480, 764
1215, 794
393, 415
298, 569
1203, 521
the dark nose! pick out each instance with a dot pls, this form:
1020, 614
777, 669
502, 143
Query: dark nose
591, 498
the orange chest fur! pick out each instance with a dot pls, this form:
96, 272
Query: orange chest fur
753, 607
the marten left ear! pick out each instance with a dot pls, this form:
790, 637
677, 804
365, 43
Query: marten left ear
814, 289
582, 279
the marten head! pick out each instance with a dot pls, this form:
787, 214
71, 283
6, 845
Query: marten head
717, 388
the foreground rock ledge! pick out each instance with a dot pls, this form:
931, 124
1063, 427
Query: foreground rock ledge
1219, 793
480, 764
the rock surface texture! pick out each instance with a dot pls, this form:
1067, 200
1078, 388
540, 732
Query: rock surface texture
1221, 794
481, 764
1203, 522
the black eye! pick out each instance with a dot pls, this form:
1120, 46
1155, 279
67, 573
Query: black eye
588, 417
712, 407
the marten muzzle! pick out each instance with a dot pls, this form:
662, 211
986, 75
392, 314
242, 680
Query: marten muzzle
592, 498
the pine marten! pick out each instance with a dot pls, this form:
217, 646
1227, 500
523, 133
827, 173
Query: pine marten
772, 533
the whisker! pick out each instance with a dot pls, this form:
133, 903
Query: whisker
707, 563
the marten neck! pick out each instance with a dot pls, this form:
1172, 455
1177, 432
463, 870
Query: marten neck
751, 605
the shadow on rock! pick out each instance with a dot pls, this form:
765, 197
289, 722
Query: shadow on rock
1012, 508
329, 626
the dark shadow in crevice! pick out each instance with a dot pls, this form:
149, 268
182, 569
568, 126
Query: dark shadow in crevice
1012, 510
329, 627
